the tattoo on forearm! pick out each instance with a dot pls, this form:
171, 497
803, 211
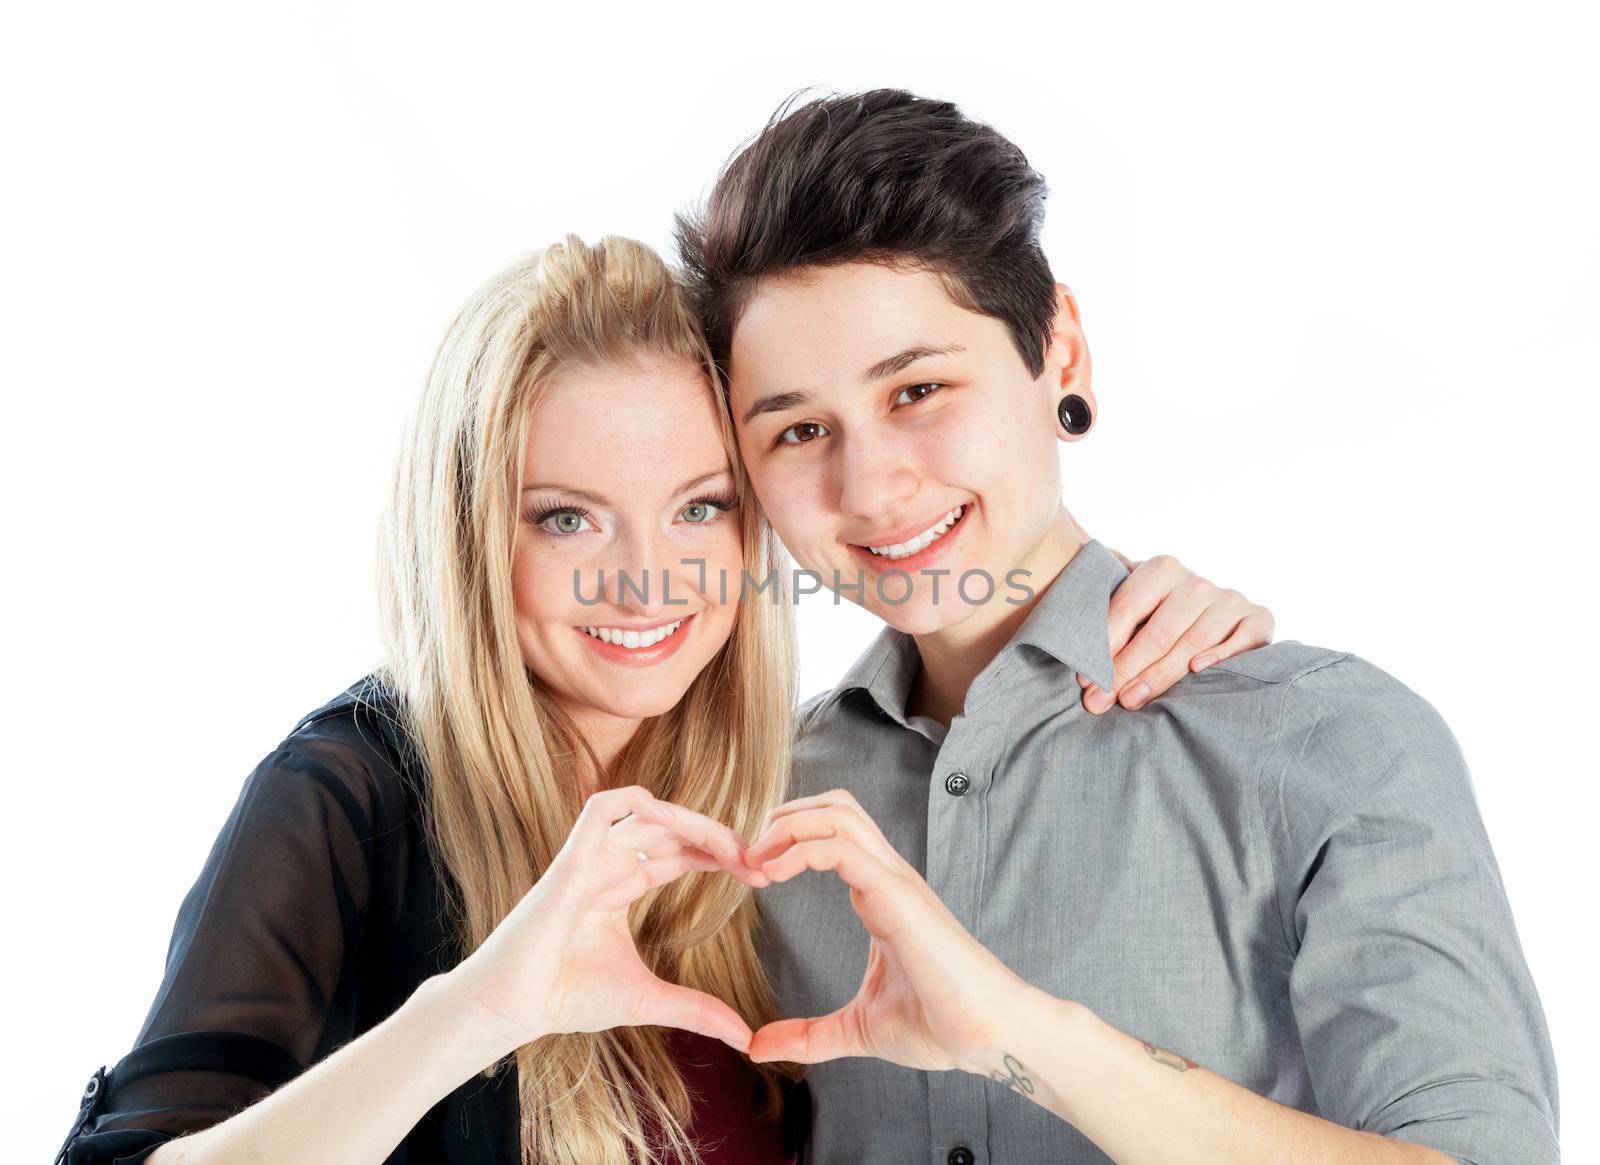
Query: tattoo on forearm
1012, 1075
1170, 1059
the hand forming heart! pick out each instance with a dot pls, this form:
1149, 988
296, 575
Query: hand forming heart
924, 968
564, 958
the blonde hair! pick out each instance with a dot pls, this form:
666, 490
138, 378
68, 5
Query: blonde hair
503, 763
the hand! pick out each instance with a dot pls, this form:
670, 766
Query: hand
1166, 621
925, 972
564, 959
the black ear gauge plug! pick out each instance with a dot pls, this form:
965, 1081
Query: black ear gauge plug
1074, 414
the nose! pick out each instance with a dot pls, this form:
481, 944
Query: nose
874, 474
638, 583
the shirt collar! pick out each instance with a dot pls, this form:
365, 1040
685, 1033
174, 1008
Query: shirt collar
1068, 621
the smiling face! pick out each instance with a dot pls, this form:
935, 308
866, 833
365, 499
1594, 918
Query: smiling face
886, 428
624, 472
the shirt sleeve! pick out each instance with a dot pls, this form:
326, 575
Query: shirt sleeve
260, 973
1415, 1007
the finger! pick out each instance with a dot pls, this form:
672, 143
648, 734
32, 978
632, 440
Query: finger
807, 1041
670, 1005
1138, 596
839, 797
631, 838
632, 834
843, 856
658, 871
1252, 633
1213, 626
704, 833
604, 809
1173, 619
822, 822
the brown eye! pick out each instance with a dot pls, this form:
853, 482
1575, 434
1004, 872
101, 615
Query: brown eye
801, 433
916, 392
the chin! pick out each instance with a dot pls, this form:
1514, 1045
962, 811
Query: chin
641, 705
925, 618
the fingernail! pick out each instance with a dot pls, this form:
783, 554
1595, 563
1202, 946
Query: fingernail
1204, 662
1135, 694
1098, 700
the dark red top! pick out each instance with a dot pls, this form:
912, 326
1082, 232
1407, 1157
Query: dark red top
315, 916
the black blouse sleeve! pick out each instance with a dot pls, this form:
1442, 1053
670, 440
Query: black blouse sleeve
261, 970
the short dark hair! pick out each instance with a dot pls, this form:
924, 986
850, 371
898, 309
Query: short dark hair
885, 177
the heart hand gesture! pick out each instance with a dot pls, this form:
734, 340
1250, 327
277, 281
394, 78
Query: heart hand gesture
924, 970
564, 959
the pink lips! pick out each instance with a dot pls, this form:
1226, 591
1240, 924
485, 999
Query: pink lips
928, 555
639, 656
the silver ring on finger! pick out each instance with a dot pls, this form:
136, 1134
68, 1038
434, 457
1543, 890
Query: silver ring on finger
641, 855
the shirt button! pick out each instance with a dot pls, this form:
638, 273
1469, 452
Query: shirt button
956, 784
961, 1155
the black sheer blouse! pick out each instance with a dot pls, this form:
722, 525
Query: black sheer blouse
317, 914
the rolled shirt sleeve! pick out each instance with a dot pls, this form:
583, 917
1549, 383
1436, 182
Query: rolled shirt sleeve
260, 970
1416, 1010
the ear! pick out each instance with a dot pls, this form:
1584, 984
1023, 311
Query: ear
1067, 362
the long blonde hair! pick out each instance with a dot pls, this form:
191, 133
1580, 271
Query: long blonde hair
502, 761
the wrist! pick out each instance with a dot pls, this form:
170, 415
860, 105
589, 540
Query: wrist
1025, 1019
480, 1036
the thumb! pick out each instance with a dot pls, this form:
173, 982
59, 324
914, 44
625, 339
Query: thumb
806, 1041
670, 1005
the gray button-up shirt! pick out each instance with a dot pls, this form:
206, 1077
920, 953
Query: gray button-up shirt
1278, 869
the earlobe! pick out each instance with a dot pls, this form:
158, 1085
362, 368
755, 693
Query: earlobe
1075, 415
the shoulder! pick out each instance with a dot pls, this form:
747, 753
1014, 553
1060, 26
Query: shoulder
1346, 699
1346, 737
809, 711
1336, 692
352, 750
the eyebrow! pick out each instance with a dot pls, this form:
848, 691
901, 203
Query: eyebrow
900, 361
778, 402
595, 499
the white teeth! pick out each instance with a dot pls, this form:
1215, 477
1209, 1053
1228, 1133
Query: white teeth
922, 540
633, 639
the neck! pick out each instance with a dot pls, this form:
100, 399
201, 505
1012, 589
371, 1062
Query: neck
954, 656
607, 735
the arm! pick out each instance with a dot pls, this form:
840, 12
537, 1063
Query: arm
1138, 1102
261, 945
360, 1102
251, 992
1141, 1103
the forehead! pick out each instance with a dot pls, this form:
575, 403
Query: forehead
623, 430
833, 322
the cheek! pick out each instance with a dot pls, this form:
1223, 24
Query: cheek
541, 586
994, 447
723, 552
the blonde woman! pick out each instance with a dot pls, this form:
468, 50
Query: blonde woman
490, 904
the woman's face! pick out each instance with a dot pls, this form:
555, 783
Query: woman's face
627, 528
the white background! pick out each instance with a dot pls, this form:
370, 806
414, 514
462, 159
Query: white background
1337, 267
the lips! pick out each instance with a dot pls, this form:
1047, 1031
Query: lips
904, 548
649, 645
915, 549
634, 638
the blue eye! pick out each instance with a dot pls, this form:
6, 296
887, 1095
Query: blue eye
917, 391
567, 519
705, 510
811, 429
